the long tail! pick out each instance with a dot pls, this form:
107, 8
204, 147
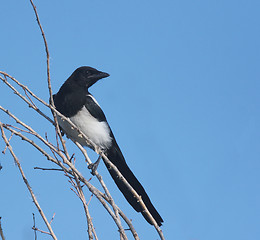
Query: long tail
115, 155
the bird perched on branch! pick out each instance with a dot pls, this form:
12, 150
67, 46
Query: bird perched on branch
74, 101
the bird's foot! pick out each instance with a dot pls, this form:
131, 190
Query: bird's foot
94, 166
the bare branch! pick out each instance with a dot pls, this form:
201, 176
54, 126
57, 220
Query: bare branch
48, 169
52, 218
41, 231
46, 50
49, 77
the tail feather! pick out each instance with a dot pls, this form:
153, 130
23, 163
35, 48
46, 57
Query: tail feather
116, 157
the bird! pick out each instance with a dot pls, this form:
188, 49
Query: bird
75, 102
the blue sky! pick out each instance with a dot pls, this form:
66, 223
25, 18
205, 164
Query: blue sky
182, 101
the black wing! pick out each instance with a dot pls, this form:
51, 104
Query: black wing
94, 109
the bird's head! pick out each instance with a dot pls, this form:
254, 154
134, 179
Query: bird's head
87, 76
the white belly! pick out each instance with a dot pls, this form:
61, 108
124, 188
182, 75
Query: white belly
97, 132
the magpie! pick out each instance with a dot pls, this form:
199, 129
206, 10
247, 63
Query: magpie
74, 101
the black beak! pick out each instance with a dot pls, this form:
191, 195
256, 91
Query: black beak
104, 75
93, 78
99, 75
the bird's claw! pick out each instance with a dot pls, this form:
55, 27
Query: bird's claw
94, 166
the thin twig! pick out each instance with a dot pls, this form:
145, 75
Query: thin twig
46, 49
46, 137
48, 169
90, 199
52, 217
41, 231
34, 227
49, 77
17, 128
8, 142
29, 97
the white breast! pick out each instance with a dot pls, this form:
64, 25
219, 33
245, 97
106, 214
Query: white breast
97, 132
